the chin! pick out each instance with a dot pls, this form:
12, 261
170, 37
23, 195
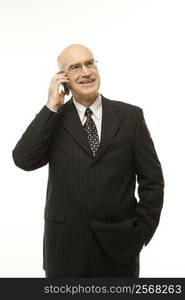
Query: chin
88, 92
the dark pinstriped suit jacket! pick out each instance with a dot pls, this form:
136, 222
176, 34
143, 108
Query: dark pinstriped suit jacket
88, 194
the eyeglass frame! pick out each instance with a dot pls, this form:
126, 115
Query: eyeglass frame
90, 64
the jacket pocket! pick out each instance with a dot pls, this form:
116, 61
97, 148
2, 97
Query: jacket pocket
117, 144
53, 214
122, 241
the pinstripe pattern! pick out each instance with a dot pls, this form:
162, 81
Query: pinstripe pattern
88, 194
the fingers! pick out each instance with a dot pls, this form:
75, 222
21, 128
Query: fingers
55, 92
60, 78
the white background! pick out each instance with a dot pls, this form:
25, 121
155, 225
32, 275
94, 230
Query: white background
140, 47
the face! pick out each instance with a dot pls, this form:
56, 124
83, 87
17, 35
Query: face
82, 72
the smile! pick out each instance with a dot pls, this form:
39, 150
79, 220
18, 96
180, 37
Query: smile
87, 81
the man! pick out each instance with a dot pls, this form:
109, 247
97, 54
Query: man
96, 149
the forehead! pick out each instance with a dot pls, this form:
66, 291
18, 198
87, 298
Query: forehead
75, 55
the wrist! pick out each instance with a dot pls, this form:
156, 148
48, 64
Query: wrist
52, 107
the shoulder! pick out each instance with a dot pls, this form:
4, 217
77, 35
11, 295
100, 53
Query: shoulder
123, 106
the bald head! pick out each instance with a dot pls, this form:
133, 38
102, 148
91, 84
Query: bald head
72, 54
77, 62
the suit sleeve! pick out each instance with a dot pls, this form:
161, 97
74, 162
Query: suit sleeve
150, 179
31, 151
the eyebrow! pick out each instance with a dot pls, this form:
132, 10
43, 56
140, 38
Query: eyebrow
89, 60
71, 66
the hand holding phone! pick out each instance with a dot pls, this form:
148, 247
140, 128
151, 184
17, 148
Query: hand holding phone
66, 88
55, 93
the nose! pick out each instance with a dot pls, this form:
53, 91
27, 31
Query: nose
85, 71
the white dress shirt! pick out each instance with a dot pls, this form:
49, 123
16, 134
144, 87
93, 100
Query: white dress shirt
96, 108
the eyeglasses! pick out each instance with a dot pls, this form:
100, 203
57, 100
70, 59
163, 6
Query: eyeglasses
77, 68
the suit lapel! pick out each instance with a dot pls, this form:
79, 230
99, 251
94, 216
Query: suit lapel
72, 123
111, 120
110, 123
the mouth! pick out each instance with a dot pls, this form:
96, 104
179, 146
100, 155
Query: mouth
86, 82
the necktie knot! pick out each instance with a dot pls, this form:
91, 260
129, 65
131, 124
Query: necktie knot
88, 112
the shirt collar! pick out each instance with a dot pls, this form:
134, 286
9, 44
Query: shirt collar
95, 107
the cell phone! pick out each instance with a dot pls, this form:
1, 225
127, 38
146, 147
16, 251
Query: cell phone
66, 87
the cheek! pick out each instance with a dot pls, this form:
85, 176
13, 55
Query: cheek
73, 84
98, 78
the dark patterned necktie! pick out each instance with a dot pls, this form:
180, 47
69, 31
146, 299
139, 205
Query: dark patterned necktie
91, 132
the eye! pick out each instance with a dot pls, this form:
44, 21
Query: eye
75, 67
